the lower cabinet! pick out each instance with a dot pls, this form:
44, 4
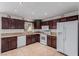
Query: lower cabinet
32, 38
8, 43
51, 41
28, 39
37, 37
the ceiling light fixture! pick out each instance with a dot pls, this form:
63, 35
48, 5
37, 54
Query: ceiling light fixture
15, 10
45, 14
33, 13
20, 3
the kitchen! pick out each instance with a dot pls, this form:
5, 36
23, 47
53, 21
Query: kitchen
17, 32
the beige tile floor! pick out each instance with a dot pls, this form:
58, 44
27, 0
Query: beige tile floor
35, 49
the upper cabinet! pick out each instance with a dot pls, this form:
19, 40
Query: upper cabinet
52, 24
37, 24
69, 18
45, 23
19, 24
9, 23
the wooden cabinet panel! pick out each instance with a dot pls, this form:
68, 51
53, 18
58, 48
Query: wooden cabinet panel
33, 39
45, 23
52, 24
69, 18
51, 41
12, 43
19, 24
8, 43
4, 45
37, 37
9, 23
5, 23
37, 24
28, 39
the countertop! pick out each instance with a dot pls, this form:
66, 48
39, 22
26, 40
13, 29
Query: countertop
15, 34
3, 35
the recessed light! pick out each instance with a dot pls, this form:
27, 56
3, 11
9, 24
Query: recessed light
45, 14
15, 10
33, 13
20, 3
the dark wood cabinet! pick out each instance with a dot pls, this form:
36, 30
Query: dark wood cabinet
28, 39
9, 23
52, 24
37, 24
12, 43
37, 37
45, 23
8, 43
5, 23
32, 38
19, 24
4, 45
51, 41
69, 18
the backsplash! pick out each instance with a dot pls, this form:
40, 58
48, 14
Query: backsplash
12, 30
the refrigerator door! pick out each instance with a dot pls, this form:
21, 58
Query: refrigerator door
60, 37
71, 42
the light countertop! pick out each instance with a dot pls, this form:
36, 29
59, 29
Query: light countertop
15, 34
3, 35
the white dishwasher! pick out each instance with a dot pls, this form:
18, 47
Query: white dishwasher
21, 41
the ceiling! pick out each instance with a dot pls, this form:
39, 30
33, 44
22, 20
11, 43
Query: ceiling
37, 10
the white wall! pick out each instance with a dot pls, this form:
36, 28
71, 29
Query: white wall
71, 13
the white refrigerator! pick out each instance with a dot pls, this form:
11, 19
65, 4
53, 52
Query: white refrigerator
67, 37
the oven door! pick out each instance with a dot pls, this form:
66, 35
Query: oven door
43, 39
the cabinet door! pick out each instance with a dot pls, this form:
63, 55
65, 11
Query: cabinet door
37, 24
5, 23
53, 41
12, 43
4, 45
49, 41
19, 24
28, 39
54, 24
12, 24
38, 37
33, 38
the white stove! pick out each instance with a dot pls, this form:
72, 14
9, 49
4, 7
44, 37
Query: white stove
43, 37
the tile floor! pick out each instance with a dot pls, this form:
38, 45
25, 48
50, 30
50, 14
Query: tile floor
35, 49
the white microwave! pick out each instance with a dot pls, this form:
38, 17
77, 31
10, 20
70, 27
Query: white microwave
45, 27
